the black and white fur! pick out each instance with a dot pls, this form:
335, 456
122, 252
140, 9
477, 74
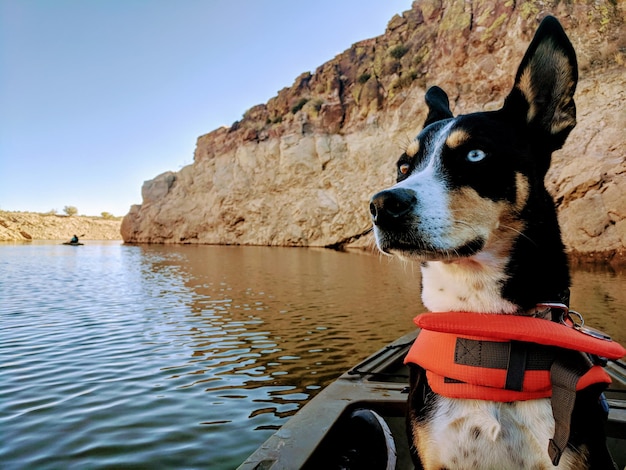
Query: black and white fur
471, 206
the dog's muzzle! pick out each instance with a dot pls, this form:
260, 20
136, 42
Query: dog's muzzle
389, 207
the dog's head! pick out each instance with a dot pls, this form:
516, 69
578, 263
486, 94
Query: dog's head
469, 182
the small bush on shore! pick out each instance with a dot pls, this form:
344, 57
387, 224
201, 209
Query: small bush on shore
70, 210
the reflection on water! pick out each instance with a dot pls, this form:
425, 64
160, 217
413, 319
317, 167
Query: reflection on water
600, 296
190, 356
186, 356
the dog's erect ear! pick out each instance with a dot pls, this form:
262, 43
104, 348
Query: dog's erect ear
545, 84
438, 105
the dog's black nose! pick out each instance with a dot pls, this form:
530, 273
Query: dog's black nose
390, 205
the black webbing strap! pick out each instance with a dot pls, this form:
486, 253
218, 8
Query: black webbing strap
565, 373
516, 367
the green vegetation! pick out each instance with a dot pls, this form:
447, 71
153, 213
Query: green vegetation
364, 77
398, 51
298, 106
70, 210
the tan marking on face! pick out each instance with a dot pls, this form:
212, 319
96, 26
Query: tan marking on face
522, 190
510, 226
412, 148
476, 216
457, 138
496, 222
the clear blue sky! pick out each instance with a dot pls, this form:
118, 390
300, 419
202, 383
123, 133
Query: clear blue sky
97, 96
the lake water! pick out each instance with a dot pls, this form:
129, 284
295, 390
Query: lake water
115, 356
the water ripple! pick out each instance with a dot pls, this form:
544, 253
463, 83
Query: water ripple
118, 356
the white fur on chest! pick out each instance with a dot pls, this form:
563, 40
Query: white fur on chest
477, 434
467, 285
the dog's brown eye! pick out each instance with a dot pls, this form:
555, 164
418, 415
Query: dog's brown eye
404, 168
475, 156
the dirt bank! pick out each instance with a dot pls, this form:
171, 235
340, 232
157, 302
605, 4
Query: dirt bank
24, 226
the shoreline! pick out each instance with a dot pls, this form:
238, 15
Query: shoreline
29, 226
24, 227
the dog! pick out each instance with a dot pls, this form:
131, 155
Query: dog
470, 205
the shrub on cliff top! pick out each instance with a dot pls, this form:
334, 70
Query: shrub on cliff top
70, 210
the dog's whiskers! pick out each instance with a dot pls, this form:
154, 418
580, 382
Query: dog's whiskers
521, 234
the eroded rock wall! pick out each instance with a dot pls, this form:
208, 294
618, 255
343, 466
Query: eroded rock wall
299, 170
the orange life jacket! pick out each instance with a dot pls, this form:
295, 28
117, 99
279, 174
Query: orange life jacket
508, 358
500, 357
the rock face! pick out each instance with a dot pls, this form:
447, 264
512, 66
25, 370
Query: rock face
299, 170
27, 226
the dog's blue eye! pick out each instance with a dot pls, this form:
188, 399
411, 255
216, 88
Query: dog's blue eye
475, 156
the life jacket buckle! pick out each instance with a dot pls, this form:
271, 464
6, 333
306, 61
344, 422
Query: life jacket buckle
593, 332
571, 318
578, 323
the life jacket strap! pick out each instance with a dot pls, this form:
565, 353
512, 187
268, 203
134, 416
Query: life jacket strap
565, 373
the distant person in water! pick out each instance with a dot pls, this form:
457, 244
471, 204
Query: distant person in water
74, 239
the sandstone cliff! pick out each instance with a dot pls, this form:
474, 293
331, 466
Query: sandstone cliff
27, 226
299, 170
